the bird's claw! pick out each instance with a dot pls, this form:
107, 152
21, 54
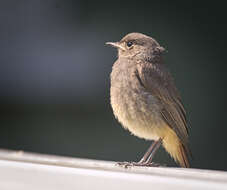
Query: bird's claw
141, 164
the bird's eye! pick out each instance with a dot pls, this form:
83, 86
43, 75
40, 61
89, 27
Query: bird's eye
129, 44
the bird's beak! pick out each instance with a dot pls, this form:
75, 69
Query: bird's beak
116, 44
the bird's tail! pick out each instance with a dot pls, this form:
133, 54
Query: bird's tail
176, 149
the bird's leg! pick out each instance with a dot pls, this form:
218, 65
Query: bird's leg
149, 151
147, 158
154, 150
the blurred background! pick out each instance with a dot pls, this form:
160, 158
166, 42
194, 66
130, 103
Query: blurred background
54, 75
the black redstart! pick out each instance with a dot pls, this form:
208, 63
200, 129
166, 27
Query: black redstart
145, 100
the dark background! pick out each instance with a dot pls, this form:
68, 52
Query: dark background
54, 75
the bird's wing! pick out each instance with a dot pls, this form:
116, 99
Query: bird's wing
158, 81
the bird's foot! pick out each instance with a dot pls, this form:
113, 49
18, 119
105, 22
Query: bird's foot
142, 164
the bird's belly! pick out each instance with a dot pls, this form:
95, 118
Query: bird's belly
137, 111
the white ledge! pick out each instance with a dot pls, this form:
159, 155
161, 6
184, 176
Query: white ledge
20, 170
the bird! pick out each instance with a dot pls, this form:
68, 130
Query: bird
145, 100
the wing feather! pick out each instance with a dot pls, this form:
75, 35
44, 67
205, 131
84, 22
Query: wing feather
158, 81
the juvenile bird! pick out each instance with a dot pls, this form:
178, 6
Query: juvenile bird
145, 100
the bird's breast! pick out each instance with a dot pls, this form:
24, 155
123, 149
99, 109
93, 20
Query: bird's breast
136, 109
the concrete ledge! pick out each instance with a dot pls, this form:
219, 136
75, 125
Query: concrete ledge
20, 170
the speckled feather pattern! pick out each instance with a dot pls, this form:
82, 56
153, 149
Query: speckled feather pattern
135, 108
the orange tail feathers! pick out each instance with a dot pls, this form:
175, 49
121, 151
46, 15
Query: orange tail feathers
176, 149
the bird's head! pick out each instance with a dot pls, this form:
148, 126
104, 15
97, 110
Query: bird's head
139, 47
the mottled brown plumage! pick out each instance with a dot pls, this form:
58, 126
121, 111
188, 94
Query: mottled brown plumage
145, 100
